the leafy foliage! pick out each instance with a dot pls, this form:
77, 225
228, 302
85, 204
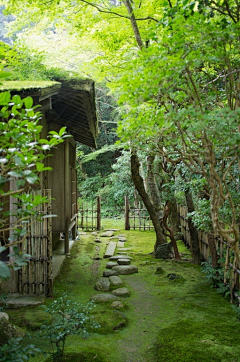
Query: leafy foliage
68, 318
13, 351
23, 152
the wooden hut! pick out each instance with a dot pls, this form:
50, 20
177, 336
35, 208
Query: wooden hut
70, 104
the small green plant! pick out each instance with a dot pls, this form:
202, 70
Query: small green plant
68, 318
215, 276
13, 351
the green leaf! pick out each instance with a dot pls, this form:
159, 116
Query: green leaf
4, 271
28, 102
5, 98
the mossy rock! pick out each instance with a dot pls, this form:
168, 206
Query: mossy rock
34, 319
9, 331
159, 270
110, 321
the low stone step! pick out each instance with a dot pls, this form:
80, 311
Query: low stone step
126, 269
111, 264
110, 249
107, 234
103, 284
120, 256
121, 292
109, 273
121, 244
124, 261
115, 280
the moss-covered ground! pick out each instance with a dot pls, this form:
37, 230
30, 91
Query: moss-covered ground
179, 320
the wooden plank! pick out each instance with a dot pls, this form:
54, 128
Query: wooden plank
110, 249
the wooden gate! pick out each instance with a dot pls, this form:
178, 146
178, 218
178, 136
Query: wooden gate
36, 276
137, 218
90, 215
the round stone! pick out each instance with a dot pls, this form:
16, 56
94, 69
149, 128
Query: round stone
126, 269
109, 273
121, 292
123, 261
111, 264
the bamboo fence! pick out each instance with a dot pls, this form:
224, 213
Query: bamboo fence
231, 274
36, 277
90, 215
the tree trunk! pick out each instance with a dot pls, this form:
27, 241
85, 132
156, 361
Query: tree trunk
138, 183
174, 220
134, 23
196, 254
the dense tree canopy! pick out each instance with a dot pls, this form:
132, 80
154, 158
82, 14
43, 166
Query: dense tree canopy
173, 67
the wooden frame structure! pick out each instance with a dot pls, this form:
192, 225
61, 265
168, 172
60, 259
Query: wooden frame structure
69, 104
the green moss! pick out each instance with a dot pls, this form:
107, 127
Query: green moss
110, 321
24, 85
166, 320
34, 319
188, 340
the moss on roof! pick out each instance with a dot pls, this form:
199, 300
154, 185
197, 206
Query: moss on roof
24, 85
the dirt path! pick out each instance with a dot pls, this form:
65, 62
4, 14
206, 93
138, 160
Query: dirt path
144, 324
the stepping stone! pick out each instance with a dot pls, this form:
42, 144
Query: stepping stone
117, 305
120, 244
125, 249
82, 233
112, 230
110, 249
111, 264
121, 292
104, 298
94, 233
122, 239
115, 280
107, 234
120, 256
126, 269
103, 285
124, 261
109, 273
97, 240
114, 237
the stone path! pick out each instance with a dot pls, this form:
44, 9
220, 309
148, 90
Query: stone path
137, 337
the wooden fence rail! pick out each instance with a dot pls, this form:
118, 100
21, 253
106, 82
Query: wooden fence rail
90, 215
137, 218
206, 240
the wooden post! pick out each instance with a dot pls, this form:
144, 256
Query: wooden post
127, 224
67, 188
98, 213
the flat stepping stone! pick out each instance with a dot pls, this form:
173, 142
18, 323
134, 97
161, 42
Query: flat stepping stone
122, 239
109, 273
117, 305
125, 249
121, 292
126, 269
121, 244
124, 261
104, 298
110, 249
103, 284
120, 256
115, 280
111, 264
107, 234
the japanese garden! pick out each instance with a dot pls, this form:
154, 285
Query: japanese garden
119, 180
